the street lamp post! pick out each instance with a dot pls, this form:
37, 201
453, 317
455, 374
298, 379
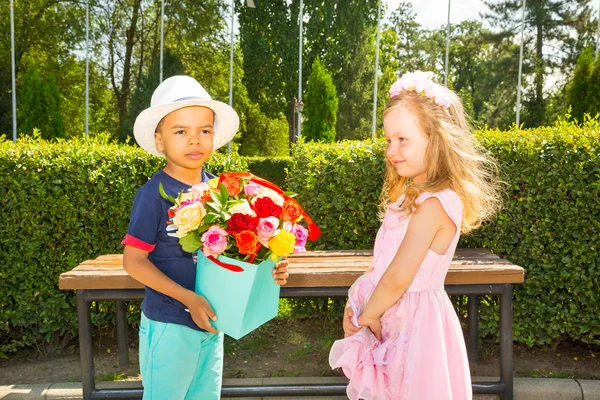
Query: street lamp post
520, 67
447, 47
87, 67
299, 109
374, 123
14, 77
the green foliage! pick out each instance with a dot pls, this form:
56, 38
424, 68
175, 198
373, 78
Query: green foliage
593, 94
321, 107
577, 91
264, 136
67, 201
273, 169
548, 225
143, 92
63, 202
39, 105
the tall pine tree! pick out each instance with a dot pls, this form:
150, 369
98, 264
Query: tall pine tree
321, 106
578, 90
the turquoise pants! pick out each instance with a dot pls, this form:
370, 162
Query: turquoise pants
179, 363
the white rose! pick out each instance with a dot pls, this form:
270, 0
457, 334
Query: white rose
189, 218
243, 208
270, 193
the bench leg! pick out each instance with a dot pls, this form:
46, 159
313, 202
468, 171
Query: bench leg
86, 350
473, 324
506, 341
122, 346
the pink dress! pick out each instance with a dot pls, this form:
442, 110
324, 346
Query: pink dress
422, 354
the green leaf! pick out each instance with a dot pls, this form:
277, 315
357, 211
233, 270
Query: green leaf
210, 217
216, 198
190, 242
224, 194
164, 195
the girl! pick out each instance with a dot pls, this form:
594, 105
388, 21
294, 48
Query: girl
403, 339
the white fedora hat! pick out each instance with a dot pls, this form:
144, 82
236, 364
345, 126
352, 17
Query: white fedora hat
178, 92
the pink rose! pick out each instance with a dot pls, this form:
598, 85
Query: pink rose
287, 226
214, 241
266, 228
251, 188
301, 234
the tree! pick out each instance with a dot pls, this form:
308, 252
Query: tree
593, 92
320, 111
551, 24
147, 83
39, 105
579, 90
339, 32
264, 136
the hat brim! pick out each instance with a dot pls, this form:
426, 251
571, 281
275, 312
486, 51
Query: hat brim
226, 125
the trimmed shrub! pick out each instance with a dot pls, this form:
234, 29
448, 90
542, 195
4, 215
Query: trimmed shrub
549, 224
270, 168
63, 202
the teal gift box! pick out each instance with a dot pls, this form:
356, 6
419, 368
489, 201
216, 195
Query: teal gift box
243, 300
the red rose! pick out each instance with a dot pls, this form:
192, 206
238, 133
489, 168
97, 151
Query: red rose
241, 222
247, 242
265, 207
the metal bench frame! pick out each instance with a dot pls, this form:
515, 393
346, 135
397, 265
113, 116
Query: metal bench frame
504, 386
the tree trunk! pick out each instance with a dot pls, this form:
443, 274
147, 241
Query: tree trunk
123, 94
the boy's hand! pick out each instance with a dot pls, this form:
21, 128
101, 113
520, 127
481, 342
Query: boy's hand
349, 328
373, 324
280, 272
201, 313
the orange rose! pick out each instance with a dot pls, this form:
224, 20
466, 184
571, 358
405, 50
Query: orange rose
232, 184
247, 242
291, 211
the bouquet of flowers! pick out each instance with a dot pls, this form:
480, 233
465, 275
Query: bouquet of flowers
239, 225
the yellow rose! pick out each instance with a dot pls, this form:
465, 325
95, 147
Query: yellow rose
213, 183
282, 244
189, 218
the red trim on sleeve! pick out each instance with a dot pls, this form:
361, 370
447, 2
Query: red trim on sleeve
135, 242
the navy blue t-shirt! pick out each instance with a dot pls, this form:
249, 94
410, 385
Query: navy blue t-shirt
147, 231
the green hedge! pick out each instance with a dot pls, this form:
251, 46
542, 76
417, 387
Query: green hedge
66, 202
62, 203
550, 222
269, 168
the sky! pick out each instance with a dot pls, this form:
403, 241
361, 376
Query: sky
434, 13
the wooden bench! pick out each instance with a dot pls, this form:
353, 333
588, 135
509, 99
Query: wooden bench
473, 272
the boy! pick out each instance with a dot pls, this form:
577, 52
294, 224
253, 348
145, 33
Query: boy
181, 354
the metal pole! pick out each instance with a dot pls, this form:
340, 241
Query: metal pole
447, 47
520, 67
374, 125
597, 32
231, 69
14, 76
162, 36
300, 70
87, 66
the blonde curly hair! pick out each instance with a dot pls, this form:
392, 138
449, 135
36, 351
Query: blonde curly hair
454, 160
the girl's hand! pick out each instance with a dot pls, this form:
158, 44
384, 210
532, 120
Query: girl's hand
201, 313
349, 328
373, 324
280, 272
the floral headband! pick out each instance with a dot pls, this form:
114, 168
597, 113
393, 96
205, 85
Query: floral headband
422, 83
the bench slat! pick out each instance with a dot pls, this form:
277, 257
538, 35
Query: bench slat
324, 268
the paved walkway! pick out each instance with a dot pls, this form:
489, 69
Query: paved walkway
524, 389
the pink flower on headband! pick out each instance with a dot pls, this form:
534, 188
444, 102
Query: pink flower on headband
422, 83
